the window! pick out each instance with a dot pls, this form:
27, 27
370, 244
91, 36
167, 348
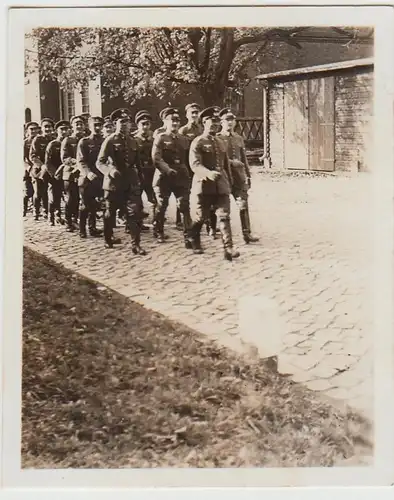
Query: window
69, 104
27, 115
85, 99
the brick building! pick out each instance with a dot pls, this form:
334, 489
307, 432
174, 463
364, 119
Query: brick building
319, 117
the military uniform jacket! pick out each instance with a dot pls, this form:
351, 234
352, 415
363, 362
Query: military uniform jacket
191, 131
52, 157
26, 160
236, 152
68, 153
37, 155
119, 152
207, 153
158, 131
145, 144
170, 151
88, 149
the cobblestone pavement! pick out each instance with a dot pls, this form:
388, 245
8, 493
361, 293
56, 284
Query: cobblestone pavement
314, 260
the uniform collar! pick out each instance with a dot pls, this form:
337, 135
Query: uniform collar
227, 133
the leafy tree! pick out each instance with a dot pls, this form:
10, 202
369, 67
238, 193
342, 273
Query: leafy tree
138, 62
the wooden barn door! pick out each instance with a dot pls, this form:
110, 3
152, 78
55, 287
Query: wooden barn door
309, 124
296, 141
321, 124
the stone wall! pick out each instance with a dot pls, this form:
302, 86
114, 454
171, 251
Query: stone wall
353, 121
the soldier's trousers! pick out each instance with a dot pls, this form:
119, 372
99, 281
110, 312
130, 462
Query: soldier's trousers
54, 198
147, 188
241, 198
163, 193
220, 203
40, 195
129, 201
88, 204
27, 193
71, 201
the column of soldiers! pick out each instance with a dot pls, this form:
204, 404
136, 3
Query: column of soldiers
97, 165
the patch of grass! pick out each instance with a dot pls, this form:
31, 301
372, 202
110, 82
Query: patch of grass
110, 384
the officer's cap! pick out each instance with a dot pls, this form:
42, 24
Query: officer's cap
226, 113
85, 116
120, 114
209, 113
167, 112
107, 119
62, 123
96, 119
193, 105
31, 124
75, 118
143, 115
47, 120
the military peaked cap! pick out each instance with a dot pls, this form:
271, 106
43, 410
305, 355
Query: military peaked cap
170, 112
31, 124
96, 119
107, 119
209, 113
193, 105
47, 120
119, 114
143, 115
226, 113
75, 118
62, 123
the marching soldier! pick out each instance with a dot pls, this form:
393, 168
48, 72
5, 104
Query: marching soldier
212, 182
37, 158
90, 180
108, 126
122, 180
240, 170
144, 138
31, 131
86, 118
171, 176
193, 128
161, 130
51, 166
68, 153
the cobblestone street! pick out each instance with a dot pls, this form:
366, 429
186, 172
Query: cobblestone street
314, 260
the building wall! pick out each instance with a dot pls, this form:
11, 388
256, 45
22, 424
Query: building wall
276, 125
353, 98
282, 57
353, 121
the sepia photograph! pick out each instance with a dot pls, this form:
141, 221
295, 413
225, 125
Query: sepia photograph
198, 245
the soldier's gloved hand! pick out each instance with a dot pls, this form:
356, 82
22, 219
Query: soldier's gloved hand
171, 171
213, 175
91, 176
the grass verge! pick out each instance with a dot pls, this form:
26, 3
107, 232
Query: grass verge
110, 384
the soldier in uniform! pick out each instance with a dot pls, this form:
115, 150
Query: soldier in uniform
212, 182
160, 130
193, 128
37, 158
90, 179
144, 138
31, 131
86, 119
172, 175
51, 166
240, 170
68, 154
108, 127
122, 180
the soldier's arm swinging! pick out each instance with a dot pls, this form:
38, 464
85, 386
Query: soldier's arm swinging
51, 169
82, 157
157, 156
103, 164
34, 153
195, 161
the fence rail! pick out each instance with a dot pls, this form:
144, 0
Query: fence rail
251, 129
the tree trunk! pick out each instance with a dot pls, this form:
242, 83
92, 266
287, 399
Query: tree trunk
213, 94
